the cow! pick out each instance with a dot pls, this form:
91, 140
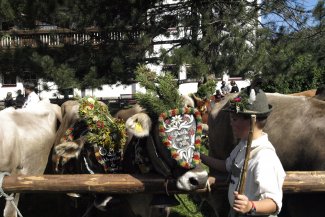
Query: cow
309, 93
320, 93
143, 154
26, 138
296, 129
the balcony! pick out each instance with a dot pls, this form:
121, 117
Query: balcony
60, 37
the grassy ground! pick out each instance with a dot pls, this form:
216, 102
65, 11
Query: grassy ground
188, 208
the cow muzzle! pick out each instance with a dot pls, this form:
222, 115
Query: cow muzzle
192, 180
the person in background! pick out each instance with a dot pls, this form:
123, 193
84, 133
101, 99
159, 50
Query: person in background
32, 97
225, 89
234, 87
218, 96
20, 99
265, 174
9, 101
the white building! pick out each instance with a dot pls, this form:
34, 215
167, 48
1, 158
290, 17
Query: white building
118, 90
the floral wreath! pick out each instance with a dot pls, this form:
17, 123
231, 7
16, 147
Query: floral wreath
166, 141
104, 130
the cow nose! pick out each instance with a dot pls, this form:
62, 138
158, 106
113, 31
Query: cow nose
194, 181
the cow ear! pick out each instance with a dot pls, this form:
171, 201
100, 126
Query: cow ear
70, 149
138, 125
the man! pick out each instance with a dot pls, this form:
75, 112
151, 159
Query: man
20, 99
225, 89
265, 175
9, 101
234, 87
32, 97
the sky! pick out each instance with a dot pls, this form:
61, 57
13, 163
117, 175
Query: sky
307, 4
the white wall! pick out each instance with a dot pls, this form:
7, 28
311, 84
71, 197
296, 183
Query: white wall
112, 91
13, 90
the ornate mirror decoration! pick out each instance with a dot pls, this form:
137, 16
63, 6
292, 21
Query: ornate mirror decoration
180, 131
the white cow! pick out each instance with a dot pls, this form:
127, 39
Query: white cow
26, 138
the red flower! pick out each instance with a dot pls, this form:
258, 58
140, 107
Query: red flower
167, 143
196, 157
100, 124
237, 99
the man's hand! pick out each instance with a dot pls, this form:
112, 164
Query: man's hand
241, 203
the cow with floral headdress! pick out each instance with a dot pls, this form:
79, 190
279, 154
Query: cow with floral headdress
164, 139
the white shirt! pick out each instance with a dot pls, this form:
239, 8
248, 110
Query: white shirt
32, 99
265, 174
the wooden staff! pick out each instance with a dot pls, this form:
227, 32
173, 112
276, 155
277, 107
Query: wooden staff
242, 182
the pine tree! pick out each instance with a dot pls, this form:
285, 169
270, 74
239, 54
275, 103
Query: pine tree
221, 36
161, 92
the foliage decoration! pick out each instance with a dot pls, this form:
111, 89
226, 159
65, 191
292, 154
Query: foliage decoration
207, 89
161, 92
104, 130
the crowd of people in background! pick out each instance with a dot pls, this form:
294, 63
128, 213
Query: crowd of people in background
22, 101
225, 89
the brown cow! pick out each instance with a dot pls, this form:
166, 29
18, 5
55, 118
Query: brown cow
320, 93
297, 131
309, 93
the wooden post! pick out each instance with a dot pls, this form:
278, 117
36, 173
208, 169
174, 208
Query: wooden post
242, 182
295, 182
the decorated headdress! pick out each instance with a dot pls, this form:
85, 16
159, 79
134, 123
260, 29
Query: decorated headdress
104, 130
180, 127
250, 101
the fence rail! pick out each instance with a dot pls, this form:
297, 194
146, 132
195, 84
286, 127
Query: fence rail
295, 182
59, 37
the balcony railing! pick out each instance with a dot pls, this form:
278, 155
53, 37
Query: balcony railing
60, 37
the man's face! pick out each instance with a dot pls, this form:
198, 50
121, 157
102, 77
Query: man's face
240, 125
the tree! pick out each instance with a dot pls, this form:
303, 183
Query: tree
293, 61
221, 36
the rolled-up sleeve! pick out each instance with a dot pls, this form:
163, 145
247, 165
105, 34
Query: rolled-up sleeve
270, 176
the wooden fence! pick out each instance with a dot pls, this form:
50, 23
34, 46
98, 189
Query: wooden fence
59, 37
295, 182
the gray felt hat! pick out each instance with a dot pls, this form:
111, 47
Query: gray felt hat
250, 101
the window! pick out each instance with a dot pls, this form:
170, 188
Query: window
172, 68
170, 21
9, 80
